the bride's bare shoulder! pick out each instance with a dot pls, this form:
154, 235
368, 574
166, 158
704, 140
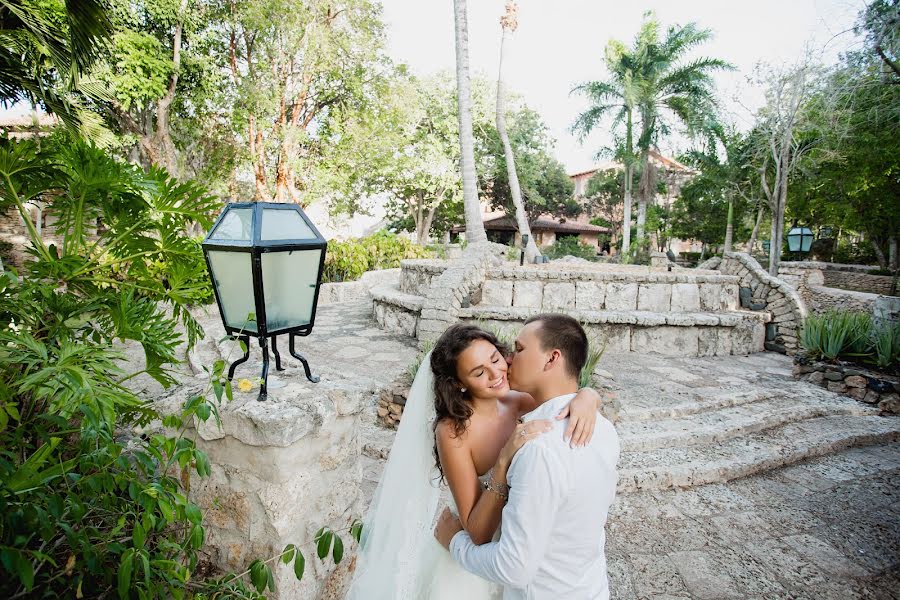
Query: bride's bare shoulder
448, 435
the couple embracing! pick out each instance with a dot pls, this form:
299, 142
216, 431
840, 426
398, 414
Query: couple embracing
530, 465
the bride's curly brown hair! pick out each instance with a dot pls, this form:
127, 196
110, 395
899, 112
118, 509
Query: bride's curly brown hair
450, 403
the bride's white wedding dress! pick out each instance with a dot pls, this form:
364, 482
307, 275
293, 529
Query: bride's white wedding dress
399, 558
449, 581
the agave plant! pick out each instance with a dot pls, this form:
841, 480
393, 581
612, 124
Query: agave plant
886, 344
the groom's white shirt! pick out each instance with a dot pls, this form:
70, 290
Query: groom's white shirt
552, 534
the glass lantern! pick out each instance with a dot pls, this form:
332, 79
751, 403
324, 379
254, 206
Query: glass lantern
265, 260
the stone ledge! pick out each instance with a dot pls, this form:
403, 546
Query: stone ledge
633, 317
719, 462
392, 295
540, 273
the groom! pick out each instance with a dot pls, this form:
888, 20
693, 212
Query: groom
552, 534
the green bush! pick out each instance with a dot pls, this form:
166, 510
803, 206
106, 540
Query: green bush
348, 260
571, 246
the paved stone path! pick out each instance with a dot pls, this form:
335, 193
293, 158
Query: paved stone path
826, 528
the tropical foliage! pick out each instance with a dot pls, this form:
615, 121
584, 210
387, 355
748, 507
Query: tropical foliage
852, 336
348, 260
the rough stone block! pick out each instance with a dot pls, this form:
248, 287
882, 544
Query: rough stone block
616, 339
817, 378
589, 295
871, 397
685, 297
708, 339
711, 296
654, 297
528, 294
621, 296
890, 403
856, 381
671, 341
559, 296
837, 387
857, 393
497, 293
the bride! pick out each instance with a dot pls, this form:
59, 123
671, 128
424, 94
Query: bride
459, 426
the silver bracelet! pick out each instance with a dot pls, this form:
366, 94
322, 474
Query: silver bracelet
501, 489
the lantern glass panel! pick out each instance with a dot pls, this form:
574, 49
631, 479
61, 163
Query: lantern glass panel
233, 278
793, 237
289, 286
807, 239
280, 224
236, 225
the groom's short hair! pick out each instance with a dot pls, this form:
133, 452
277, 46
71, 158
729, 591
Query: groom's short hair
566, 334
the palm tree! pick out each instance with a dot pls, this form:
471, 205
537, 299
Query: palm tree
671, 89
45, 50
508, 24
474, 227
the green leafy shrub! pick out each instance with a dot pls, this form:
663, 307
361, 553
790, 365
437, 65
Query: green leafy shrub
87, 508
348, 260
851, 336
571, 246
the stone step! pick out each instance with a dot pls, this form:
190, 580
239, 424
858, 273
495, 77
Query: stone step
666, 407
717, 462
729, 423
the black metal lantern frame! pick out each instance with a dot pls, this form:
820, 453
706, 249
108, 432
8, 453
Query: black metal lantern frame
256, 247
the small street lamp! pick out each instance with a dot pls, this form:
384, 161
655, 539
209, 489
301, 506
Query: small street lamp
767, 245
800, 238
265, 260
524, 246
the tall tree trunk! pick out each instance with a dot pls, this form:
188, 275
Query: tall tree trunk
626, 218
879, 252
162, 138
474, 226
753, 235
643, 195
729, 227
508, 23
892, 253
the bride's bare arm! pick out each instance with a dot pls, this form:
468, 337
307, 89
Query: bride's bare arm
582, 413
479, 511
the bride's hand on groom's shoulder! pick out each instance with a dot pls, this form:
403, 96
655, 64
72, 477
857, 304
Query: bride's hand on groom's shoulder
523, 433
582, 414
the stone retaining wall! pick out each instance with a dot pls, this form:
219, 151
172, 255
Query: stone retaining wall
834, 275
778, 297
855, 382
455, 286
567, 290
416, 274
347, 291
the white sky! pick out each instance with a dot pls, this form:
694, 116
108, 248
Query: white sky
560, 43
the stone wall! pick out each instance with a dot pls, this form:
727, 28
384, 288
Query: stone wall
454, 287
856, 382
347, 291
778, 297
567, 288
416, 274
834, 275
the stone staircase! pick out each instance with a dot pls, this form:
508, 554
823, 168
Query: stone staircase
705, 421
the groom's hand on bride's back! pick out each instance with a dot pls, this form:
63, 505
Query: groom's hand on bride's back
448, 525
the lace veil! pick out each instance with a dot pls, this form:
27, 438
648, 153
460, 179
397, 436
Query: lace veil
397, 552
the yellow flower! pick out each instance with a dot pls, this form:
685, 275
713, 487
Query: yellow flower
245, 385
